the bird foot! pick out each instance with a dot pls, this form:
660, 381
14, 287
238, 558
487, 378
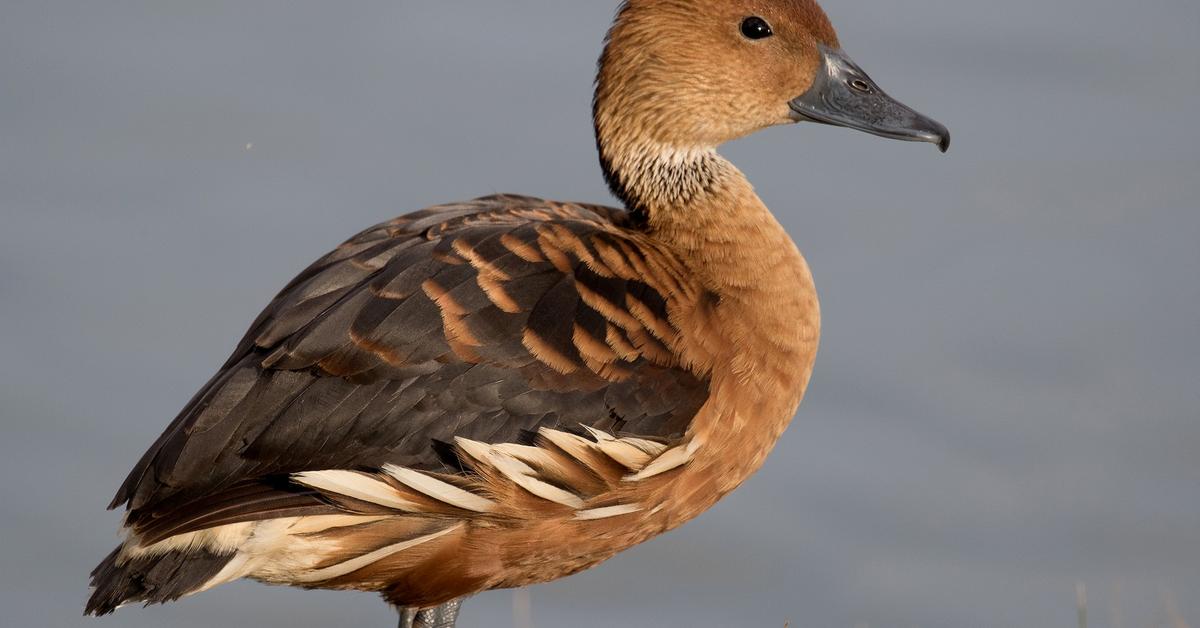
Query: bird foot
443, 616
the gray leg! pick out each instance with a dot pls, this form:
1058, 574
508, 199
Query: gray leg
442, 616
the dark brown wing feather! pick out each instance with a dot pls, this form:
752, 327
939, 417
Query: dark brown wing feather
484, 320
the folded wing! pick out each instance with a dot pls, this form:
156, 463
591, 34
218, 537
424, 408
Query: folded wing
475, 329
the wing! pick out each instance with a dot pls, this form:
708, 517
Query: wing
484, 321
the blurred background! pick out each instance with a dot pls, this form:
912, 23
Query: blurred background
1007, 400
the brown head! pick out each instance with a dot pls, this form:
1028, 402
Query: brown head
680, 77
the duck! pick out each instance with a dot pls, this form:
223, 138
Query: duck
505, 391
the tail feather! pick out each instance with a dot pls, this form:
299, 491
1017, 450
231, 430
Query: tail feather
151, 579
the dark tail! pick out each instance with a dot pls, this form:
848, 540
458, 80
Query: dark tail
151, 579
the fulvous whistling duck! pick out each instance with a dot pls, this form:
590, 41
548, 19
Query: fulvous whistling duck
509, 390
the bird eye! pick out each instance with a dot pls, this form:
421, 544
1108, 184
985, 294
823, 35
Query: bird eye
755, 27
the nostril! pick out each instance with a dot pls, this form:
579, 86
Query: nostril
860, 86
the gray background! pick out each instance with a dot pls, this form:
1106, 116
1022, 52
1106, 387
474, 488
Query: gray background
1006, 400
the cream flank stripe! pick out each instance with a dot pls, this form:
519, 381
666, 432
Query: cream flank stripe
357, 485
607, 511
439, 490
519, 472
526, 466
354, 564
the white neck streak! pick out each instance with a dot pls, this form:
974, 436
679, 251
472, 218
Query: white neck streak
649, 175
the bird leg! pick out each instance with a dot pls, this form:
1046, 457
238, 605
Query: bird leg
443, 616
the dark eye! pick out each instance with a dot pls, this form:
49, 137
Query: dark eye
860, 86
755, 27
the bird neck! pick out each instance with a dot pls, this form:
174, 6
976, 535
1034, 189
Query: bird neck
702, 207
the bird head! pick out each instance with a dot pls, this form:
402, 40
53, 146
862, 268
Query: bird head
696, 73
